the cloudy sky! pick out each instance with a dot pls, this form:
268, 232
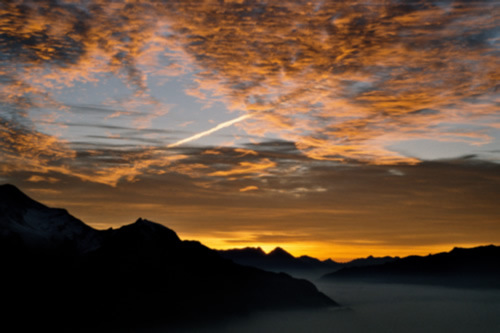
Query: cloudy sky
331, 128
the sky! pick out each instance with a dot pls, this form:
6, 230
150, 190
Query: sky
337, 129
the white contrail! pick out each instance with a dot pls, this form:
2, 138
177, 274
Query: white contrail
208, 132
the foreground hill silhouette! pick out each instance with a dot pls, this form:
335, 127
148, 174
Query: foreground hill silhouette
477, 267
59, 272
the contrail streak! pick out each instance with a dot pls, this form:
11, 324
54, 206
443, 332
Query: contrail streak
210, 131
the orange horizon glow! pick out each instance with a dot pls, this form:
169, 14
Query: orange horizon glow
337, 252
341, 252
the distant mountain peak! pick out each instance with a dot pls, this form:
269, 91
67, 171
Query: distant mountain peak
330, 261
254, 250
278, 252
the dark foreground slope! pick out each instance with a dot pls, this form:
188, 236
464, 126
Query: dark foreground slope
58, 272
477, 267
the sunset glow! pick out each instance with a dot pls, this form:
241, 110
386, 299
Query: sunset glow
336, 129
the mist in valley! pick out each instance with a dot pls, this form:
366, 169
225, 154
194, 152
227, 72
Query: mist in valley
374, 307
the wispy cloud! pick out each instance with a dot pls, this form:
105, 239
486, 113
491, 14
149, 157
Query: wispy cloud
344, 80
210, 131
246, 168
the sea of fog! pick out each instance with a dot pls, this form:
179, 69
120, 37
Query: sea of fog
375, 308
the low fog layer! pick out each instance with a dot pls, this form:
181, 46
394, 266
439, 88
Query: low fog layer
377, 308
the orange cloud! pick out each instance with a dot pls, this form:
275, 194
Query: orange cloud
211, 152
376, 65
245, 152
28, 150
249, 188
342, 80
36, 179
246, 168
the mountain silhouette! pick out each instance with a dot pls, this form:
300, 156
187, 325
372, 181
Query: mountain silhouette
59, 272
279, 260
280, 254
477, 267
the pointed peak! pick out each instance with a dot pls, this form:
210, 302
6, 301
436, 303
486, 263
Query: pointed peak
140, 222
145, 222
279, 252
330, 261
278, 249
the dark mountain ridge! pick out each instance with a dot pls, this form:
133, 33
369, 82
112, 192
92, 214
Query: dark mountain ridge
477, 267
279, 260
65, 274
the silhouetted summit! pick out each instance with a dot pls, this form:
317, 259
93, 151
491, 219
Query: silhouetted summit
147, 232
278, 260
279, 253
63, 272
13, 197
